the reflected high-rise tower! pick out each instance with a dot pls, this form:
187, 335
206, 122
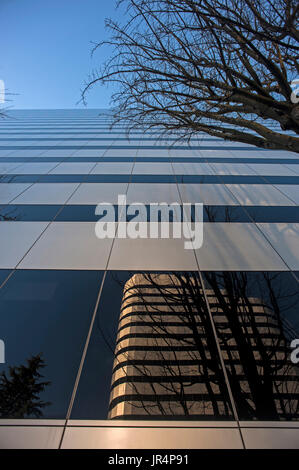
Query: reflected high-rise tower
56, 166
167, 362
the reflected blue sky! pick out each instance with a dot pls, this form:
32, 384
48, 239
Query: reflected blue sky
45, 54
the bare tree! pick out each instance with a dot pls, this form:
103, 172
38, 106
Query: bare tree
224, 67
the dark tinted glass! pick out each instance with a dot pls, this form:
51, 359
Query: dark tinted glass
273, 214
29, 212
115, 178
77, 213
86, 213
44, 321
224, 214
289, 161
19, 178
256, 318
3, 275
257, 214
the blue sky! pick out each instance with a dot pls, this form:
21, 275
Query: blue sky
45, 51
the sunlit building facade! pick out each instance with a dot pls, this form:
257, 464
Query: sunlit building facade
164, 368
139, 342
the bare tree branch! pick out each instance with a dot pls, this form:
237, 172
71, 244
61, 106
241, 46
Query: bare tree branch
223, 67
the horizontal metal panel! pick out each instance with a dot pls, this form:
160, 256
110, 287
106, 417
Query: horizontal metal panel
150, 438
32, 437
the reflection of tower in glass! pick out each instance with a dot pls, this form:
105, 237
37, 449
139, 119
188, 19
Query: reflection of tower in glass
166, 362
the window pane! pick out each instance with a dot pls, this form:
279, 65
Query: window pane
44, 321
152, 353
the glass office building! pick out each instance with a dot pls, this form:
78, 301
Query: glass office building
138, 342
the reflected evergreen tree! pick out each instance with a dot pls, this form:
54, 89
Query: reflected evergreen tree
221, 67
20, 390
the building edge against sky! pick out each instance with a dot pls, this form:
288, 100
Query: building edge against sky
62, 288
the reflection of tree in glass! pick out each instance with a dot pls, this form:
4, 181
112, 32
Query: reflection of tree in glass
166, 359
19, 392
254, 337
